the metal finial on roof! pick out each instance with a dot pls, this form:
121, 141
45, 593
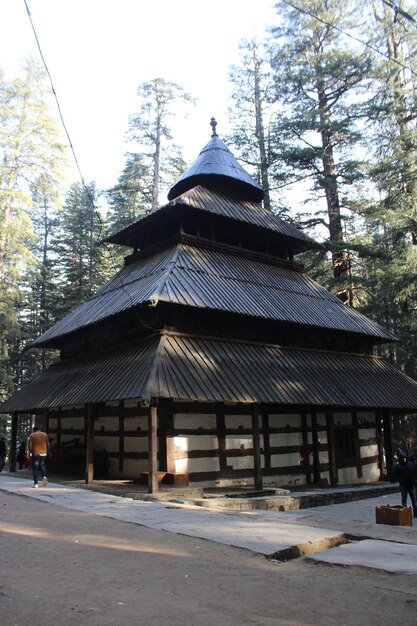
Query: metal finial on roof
213, 124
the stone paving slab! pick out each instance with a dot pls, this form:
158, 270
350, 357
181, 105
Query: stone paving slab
384, 555
258, 534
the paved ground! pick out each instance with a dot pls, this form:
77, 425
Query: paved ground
271, 533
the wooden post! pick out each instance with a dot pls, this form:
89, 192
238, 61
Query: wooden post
389, 454
59, 426
121, 434
153, 448
266, 439
256, 447
89, 445
316, 452
357, 444
12, 451
306, 447
330, 448
221, 436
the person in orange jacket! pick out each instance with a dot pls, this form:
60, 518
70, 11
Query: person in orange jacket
39, 450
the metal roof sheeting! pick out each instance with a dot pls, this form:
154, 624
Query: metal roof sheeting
218, 203
216, 164
211, 279
206, 369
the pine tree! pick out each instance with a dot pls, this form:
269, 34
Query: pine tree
251, 114
29, 148
317, 73
160, 158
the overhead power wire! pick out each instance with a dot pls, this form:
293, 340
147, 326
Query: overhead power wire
86, 189
60, 113
399, 11
343, 32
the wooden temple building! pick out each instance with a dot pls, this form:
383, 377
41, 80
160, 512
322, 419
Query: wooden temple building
212, 359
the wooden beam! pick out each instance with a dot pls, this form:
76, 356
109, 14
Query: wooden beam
267, 439
306, 447
221, 436
330, 448
121, 434
389, 452
153, 448
357, 444
12, 452
89, 444
316, 452
256, 447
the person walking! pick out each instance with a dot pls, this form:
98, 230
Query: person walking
39, 450
404, 473
2, 453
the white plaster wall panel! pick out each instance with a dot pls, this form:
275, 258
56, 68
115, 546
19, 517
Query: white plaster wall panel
193, 421
239, 421
347, 475
285, 460
136, 444
53, 422
308, 420
368, 416
321, 420
285, 439
201, 442
342, 418
367, 451
371, 473
114, 403
110, 444
367, 433
242, 462
68, 438
108, 423
132, 402
133, 423
207, 464
281, 420
241, 442
134, 467
74, 423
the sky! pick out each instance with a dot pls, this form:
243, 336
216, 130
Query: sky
99, 51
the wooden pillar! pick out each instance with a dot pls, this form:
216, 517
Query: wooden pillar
256, 447
330, 448
306, 447
389, 453
45, 420
59, 426
316, 452
357, 444
266, 438
221, 436
153, 447
12, 451
121, 434
89, 444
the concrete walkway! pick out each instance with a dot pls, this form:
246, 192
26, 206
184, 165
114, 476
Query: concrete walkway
275, 534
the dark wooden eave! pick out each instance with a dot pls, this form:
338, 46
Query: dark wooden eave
213, 203
207, 369
216, 279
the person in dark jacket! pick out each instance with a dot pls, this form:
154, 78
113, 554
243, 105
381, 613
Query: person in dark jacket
404, 473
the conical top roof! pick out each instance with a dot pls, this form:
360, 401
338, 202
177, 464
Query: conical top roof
216, 167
